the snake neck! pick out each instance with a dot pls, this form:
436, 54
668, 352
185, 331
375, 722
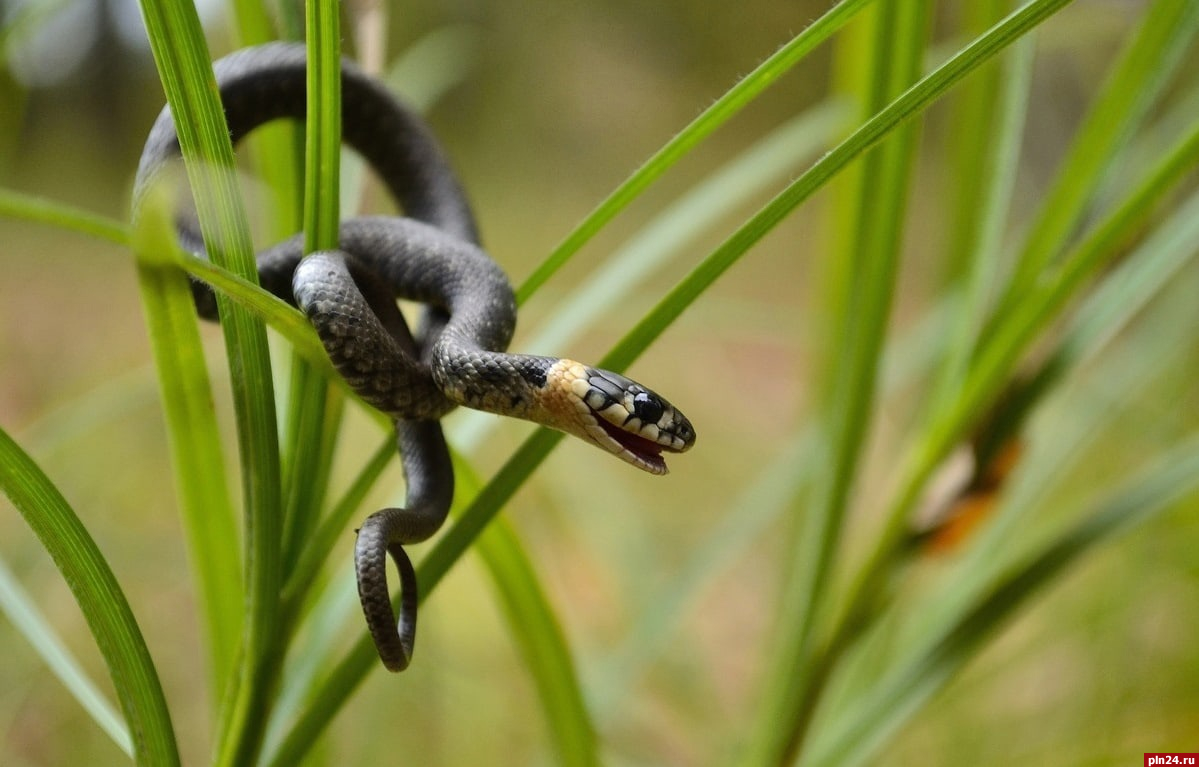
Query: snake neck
495, 382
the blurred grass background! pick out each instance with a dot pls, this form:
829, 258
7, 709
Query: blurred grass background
560, 102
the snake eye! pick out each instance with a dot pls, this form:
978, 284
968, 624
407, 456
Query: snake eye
647, 407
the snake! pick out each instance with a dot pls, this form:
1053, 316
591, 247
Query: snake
430, 254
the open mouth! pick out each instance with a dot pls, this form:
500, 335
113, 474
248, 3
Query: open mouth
646, 453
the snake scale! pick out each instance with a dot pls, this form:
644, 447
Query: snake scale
431, 255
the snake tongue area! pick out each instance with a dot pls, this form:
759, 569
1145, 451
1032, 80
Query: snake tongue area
647, 451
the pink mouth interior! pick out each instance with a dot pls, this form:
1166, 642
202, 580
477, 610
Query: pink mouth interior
647, 450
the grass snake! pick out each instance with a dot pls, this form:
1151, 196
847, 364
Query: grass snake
431, 255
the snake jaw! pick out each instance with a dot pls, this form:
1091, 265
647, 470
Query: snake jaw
620, 416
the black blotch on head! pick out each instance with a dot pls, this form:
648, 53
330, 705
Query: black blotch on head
647, 407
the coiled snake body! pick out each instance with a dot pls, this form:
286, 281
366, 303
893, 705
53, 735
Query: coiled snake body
457, 357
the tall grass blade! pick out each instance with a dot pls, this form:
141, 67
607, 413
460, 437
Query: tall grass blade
988, 135
538, 637
310, 429
542, 644
866, 276
184, 65
314, 414
100, 598
197, 458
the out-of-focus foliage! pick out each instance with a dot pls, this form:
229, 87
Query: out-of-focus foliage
671, 593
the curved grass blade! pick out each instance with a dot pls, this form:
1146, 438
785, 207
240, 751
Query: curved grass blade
205, 502
538, 636
28, 207
542, 644
22, 611
687, 139
99, 597
284, 319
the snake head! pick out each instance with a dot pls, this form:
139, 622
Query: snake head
621, 416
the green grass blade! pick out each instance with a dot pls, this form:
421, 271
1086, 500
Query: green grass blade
311, 424
320, 543
974, 108
865, 275
314, 414
1145, 66
41, 211
1137, 279
988, 137
253, 24
284, 319
687, 139
542, 645
856, 738
184, 65
205, 502
538, 636
322, 207
100, 598
22, 612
